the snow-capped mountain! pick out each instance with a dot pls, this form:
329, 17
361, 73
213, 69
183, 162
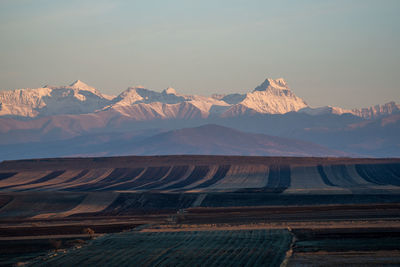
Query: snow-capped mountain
77, 98
141, 104
366, 113
377, 111
325, 110
271, 97
71, 116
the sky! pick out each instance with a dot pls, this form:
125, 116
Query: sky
338, 53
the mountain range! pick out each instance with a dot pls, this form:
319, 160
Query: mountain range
270, 97
32, 117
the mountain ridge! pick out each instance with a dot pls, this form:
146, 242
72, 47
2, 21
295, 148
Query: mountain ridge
270, 97
53, 114
210, 139
213, 139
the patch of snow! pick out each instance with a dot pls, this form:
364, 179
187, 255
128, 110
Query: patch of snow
170, 91
324, 110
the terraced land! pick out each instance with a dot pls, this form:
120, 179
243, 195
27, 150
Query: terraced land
188, 248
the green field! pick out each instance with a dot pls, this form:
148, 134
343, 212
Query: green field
194, 248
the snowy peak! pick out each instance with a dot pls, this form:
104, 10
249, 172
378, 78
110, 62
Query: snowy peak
272, 97
138, 95
77, 98
365, 113
324, 110
129, 96
377, 110
271, 83
170, 91
79, 85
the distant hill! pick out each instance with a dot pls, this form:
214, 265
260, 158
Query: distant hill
213, 139
208, 139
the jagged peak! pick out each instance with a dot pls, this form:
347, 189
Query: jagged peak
170, 91
279, 83
78, 84
132, 90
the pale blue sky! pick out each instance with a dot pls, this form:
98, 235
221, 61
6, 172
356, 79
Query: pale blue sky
342, 53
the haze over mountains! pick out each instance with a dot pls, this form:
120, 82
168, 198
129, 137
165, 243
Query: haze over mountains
31, 119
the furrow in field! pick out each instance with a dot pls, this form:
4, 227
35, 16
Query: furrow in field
258, 248
337, 176
351, 170
146, 241
394, 168
93, 202
342, 176
222, 249
243, 176
324, 177
176, 173
380, 174
124, 179
92, 176
285, 175
65, 178
129, 175
116, 176
28, 204
162, 257
40, 185
198, 173
151, 174
196, 248
307, 178
182, 178
266, 245
208, 246
199, 200
220, 173
368, 174
22, 178
282, 243
278, 178
246, 250
273, 177
232, 250
42, 179
255, 249
6, 175
212, 170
